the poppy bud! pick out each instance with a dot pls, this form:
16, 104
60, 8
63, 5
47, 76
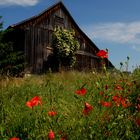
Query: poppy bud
51, 135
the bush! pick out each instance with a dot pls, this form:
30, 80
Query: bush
65, 45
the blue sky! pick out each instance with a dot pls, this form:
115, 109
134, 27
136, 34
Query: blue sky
112, 24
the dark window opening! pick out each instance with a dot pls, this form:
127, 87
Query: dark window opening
59, 21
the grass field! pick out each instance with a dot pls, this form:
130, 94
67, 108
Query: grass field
71, 106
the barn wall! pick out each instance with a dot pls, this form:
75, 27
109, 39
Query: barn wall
38, 38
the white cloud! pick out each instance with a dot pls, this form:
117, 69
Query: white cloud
19, 2
119, 32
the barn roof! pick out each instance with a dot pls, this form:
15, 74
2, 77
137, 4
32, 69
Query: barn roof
47, 12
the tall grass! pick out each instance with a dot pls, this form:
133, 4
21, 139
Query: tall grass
108, 119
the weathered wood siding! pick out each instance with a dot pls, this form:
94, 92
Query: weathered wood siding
38, 38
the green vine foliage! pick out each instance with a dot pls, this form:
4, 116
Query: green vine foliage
65, 45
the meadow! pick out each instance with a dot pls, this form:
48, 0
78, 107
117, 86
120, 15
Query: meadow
71, 106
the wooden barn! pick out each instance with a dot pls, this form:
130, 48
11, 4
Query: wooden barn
34, 36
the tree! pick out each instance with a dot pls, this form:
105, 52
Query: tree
11, 61
1, 26
1, 23
65, 45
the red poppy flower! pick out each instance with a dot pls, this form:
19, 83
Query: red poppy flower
124, 103
106, 104
87, 108
118, 87
81, 91
52, 113
34, 102
101, 92
63, 137
51, 135
102, 54
14, 139
115, 98
119, 100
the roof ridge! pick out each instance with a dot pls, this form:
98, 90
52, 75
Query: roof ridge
37, 15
